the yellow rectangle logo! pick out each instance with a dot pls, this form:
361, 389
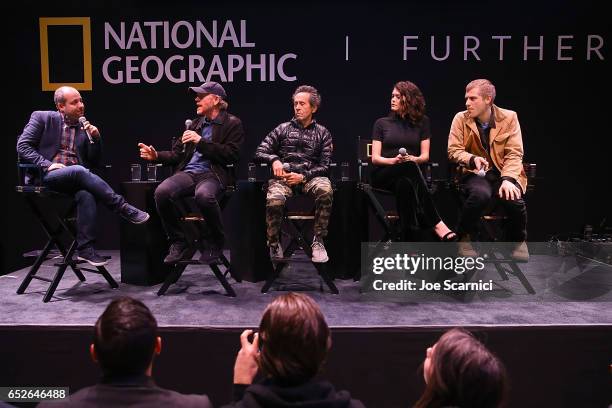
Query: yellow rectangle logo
44, 23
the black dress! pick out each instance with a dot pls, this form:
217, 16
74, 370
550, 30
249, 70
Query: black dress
414, 202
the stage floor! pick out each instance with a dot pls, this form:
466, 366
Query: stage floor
383, 342
571, 297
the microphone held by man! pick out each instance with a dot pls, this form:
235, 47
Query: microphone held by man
89, 129
283, 171
482, 166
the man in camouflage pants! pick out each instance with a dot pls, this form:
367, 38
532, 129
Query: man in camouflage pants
299, 152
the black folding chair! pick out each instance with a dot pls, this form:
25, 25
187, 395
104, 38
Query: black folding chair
380, 200
194, 228
383, 202
294, 225
60, 236
492, 228
295, 222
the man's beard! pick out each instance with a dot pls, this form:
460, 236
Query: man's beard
71, 120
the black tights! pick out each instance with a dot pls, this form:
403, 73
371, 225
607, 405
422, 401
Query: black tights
414, 202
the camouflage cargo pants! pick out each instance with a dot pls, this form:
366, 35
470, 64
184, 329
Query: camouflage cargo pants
278, 191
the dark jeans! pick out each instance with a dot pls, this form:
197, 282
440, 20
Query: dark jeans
88, 189
415, 205
206, 189
478, 193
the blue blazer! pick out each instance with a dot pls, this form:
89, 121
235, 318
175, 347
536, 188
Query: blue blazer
40, 141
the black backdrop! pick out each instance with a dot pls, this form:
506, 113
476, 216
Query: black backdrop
562, 104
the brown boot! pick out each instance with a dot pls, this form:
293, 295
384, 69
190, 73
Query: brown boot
465, 248
520, 252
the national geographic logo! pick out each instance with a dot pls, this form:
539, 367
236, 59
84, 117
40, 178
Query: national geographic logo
60, 52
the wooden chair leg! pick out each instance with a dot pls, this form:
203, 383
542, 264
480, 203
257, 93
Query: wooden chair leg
32, 272
516, 271
56, 280
323, 272
226, 285
104, 272
299, 240
172, 277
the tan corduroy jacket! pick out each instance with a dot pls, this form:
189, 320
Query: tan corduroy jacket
505, 139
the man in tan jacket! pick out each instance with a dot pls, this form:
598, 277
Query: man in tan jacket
485, 140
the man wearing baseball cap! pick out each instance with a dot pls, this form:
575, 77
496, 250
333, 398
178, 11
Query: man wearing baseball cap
210, 87
200, 156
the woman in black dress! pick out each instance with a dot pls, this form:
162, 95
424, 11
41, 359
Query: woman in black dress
400, 142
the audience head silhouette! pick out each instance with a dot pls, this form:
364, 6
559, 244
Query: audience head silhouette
460, 371
125, 338
294, 339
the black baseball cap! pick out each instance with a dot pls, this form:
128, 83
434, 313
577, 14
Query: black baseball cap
210, 87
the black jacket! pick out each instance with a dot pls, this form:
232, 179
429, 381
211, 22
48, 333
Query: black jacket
313, 394
133, 392
223, 149
307, 150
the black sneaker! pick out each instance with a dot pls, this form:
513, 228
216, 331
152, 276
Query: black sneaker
133, 214
90, 256
179, 251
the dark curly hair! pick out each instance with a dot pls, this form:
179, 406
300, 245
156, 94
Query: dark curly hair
412, 102
315, 96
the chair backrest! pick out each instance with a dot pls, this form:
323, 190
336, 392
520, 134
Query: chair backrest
530, 171
29, 177
259, 171
364, 150
231, 168
364, 159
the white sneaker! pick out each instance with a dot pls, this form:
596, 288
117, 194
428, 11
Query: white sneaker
319, 254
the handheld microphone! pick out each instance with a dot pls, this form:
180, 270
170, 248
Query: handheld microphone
286, 167
481, 172
188, 123
402, 151
82, 121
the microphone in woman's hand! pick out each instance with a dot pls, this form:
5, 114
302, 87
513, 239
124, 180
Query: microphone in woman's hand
402, 151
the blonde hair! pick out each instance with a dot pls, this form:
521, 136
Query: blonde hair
485, 88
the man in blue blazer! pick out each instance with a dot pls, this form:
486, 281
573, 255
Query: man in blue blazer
65, 148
